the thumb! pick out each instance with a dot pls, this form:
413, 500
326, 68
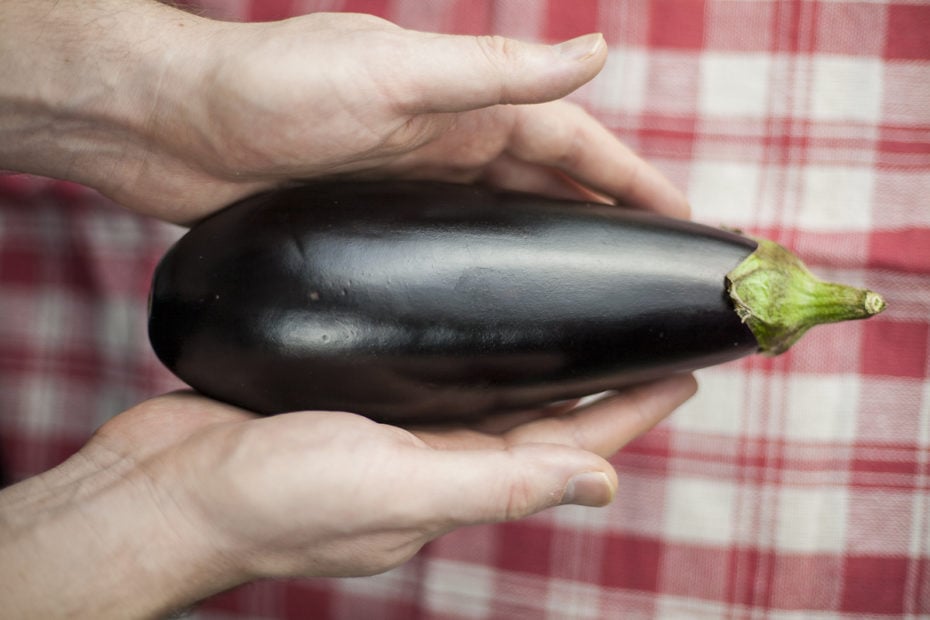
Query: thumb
443, 73
485, 486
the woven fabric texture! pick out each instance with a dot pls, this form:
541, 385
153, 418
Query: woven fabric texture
790, 487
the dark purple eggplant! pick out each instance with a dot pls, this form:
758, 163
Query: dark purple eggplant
423, 302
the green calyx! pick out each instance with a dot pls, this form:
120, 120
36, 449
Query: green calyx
779, 299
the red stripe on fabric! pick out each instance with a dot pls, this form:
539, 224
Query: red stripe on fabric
894, 348
524, 547
795, 141
792, 577
16, 187
85, 365
304, 600
565, 20
270, 10
647, 450
874, 584
20, 267
285, 600
469, 17
631, 562
905, 465
20, 448
908, 32
676, 24
742, 567
379, 8
900, 250
920, 599
890, 146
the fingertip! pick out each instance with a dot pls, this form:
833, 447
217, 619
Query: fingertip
482, 71
616, 420
662, 397
590, 488
648, 188
521, 480
685, 384
583, 48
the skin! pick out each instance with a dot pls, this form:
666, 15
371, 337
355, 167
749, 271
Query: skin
174, 116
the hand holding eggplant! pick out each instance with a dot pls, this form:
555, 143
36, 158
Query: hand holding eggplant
175, 116
181, 497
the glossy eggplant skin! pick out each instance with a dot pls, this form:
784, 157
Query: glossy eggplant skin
418, 302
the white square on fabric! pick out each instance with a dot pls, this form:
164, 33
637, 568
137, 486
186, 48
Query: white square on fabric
53, 312
717, 406
672, 83
724, 192
846, 88
699, 511
621, 84
582, 518
821, 408
119, 320
458, 588
672, 607
894, 410
836, 198
43, 402
735, 84
573, 599
894, 195
812, 520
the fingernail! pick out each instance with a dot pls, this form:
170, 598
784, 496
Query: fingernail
581, 48
591, 488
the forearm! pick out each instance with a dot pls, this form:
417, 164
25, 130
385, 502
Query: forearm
84, 84
101, 543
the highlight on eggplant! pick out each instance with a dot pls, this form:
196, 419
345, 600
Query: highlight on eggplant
429, 302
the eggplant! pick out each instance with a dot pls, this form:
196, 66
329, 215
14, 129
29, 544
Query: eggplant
414, 302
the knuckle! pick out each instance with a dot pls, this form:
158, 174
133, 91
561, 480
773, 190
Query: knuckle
499, 50
410, 134
519, 500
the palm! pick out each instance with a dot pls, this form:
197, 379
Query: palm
304, 487
333, 95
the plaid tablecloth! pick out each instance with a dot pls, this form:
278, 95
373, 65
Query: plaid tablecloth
794, 487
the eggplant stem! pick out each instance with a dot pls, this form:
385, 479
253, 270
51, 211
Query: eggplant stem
779, 299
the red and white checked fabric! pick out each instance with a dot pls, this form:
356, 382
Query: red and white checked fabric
794, 487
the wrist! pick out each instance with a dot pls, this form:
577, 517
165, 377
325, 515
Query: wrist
86, 88
111, 541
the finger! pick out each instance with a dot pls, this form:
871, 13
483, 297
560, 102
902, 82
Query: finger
602, 427
482, 486
563, 136
441, 73
609, 424
500, 424
454, 437
509, 173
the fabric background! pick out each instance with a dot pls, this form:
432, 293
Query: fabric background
794, 487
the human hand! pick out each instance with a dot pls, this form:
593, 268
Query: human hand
182, 115
181, 496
